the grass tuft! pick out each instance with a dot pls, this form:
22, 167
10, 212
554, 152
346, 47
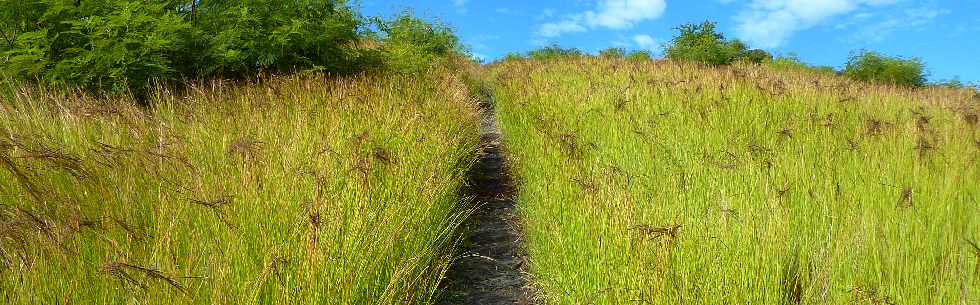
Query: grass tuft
660, 182
295, 189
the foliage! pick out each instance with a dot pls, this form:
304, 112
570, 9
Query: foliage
554, 51
103, 45
875, 67
620, 53
639, 55
954, 83
243, 37
17, 17
702, 43
613, 53
117, 46
755, 56
413, 45
791, 62
513, 56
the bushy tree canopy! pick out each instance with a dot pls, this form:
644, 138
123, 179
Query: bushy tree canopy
700, 43
876, 67
613, 53
111, 45
703, 43
410, 44
554, 51
639, 55
126, 45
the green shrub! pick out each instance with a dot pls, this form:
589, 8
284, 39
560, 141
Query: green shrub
755, 56
104, 45
554, 51
16, 17
787, 62
639, 55
744, 53
119, 46
613, 53
248, 36
792, 62
514, 56
954, 83
701, 43
875, 67
412, 45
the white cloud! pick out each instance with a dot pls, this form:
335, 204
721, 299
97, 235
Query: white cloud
555, 29
645, 41
909, 18
624, 14
769, 23
613, 14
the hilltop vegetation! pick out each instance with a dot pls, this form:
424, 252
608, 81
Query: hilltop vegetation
874, 67
669, 182
120, 46
703, 44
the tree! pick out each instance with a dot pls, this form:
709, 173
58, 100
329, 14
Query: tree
875, 67
513, 56
954, 83
119, 46
247, 36
104, 45
412, 45
755, 56
702, 43
554, 51
613, 53
639, 55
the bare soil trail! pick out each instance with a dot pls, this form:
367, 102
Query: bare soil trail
489, 271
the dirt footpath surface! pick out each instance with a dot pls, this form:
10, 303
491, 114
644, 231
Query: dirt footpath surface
490, 270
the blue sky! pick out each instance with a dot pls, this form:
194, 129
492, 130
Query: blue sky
945, 34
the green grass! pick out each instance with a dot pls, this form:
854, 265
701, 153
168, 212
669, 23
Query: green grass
295, 190
667, 183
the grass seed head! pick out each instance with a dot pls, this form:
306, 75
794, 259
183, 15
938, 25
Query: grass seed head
905, 199
651, 233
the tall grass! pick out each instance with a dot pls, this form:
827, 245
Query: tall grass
669, 183
292, 190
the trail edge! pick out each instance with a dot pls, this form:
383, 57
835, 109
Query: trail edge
490, 268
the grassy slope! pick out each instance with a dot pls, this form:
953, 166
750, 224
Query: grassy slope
663, 183
297, 190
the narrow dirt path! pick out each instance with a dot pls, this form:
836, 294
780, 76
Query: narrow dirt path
489, 272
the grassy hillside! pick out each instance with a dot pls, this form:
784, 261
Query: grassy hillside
666, 183
292, 190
